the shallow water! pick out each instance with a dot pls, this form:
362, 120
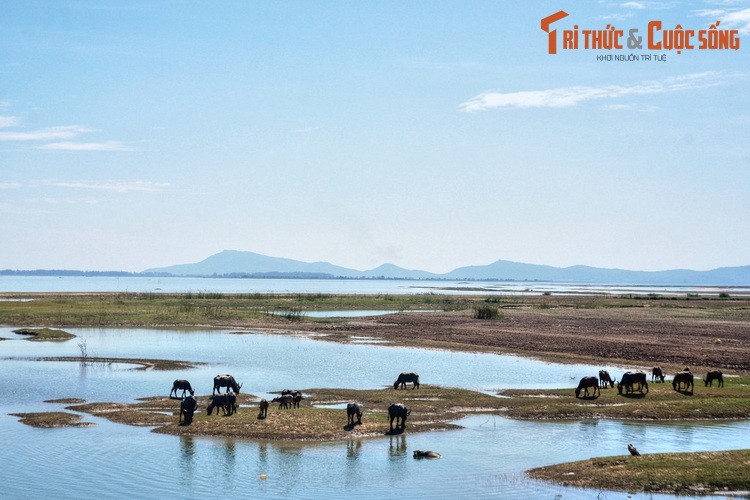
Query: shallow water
487, 458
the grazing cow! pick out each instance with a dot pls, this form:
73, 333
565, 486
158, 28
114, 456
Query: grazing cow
657, 375
290, 392
181, 384
353, 410
633, 451
227, 402
296, 399
284, 401
406, 377
263, 409
629, 379
187, 409
714, 375
587, 382
426, 454
605, 378
397, 412
226, 381
683, 378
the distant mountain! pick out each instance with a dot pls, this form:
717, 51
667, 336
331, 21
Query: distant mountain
249, 264
236, 262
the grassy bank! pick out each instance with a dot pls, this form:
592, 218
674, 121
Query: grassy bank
190, 309
432, 408
661, 403
681, 473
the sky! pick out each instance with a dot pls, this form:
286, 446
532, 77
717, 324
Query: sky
429, 134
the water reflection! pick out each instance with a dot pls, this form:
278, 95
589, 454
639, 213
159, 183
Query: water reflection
187, 459
353, 448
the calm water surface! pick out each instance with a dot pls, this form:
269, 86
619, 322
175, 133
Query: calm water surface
486, 458
232, 285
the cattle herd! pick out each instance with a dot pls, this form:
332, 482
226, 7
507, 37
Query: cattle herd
227, 402
632, 382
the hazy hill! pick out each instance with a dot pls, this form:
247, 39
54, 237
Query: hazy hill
232, 262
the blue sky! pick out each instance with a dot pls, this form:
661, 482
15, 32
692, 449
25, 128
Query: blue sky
429, 134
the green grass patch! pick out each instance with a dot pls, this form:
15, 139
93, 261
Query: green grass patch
43, 334
681, 473
661, 403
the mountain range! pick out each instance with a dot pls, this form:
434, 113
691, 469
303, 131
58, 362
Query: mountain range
251, 264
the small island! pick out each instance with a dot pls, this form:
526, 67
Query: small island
44, 334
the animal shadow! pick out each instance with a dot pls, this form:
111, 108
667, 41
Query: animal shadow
350, 427
633, 396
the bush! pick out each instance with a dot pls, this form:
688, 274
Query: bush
486, 312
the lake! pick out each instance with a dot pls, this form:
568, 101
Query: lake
333, 286
486, 458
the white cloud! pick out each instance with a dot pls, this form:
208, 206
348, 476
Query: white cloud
630, 107
47, 134
86, 146
739, 19
9, 121
572, 96
116, 186
10, 185
633, 5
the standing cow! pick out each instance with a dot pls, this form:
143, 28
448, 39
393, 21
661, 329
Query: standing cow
181, 384
714, 375
353, 410
226, 381
398, 412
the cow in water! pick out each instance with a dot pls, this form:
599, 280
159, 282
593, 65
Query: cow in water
584, 385
398, 412
226, 381
403, 378
181, 384
714, 375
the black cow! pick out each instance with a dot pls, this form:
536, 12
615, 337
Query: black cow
714, 375
657, 375
353, 410
587, 382
181, 384
226, 381
629, 379
227, 402
406, 377
263, 409
397, 412
683, 378
187, 409
605, 378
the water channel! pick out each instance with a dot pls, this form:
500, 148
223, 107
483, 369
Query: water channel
486, 458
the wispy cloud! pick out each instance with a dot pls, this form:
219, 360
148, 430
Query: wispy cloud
572, 96
86, 146
305, 130
116, 186
633, 5
630, 107
46, 134
9, 121
739, 19
10, 185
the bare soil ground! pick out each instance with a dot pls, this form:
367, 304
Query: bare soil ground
670, 337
